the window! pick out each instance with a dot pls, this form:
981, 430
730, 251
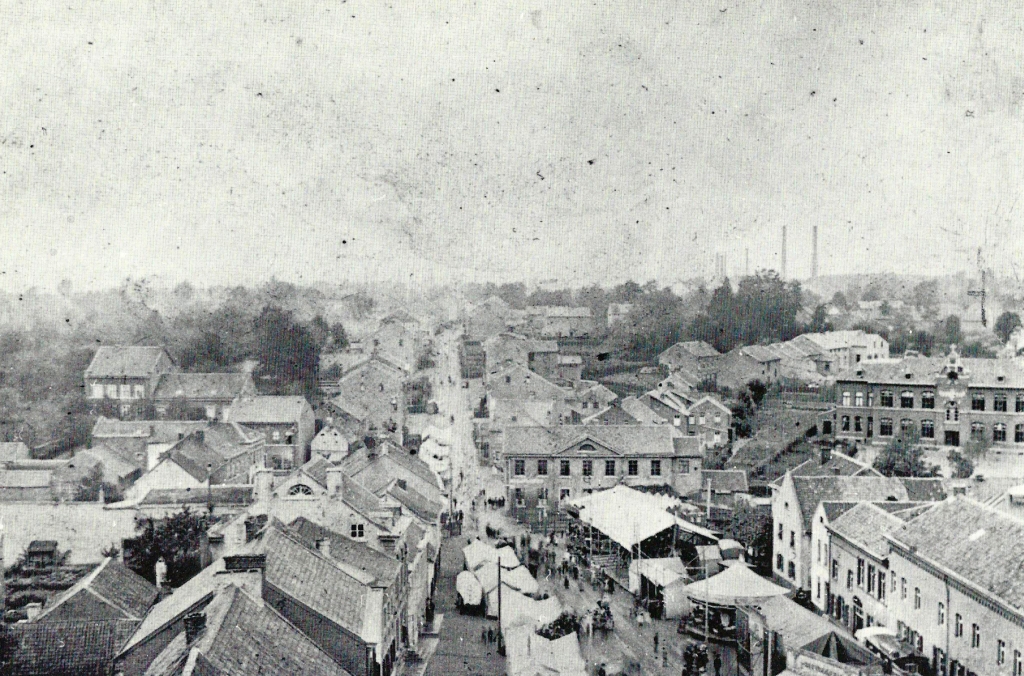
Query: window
835, 569
609, 467
779, 563
276, 436
111, 391
958, 625
977, 431
356, 531
1000, 652
519, 467
564, 493
860, 572
584, 404
655, 467
857, 424
1020, 409
126, 392
780, 531
978, 402
881, 585
999, 403
542, 496
886, 399
1018, 663
903, 588
140, 391
517, 495
542, 467
1018, 435
871, 579
846, 398
859, 397
792, 571
792, 538
928, 399
96, 391
999, 432
942, 614
819, 551
849, 579
684, 467
718, 418
927, 429
846, 423
702, 419
817, 590
633, 467
300, 489
885, 427
917, 598
563, 468
892, 587
588, 468
975, 636
906, 399
906, 426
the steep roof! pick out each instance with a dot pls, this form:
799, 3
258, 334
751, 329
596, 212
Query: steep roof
519, 382
866, 525
693, 348
384, 569
838, 464
268, 410
339, 593
759, 353
812, 490
641, 412
978, 544
63, 648
419, 504
122, 593
687, 447
124, 361
202, 385
623, 439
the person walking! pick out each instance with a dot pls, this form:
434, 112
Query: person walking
483, 636
718, 664
655, 643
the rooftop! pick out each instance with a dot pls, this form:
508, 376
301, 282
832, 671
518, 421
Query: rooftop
203, 385
627, 440
866, 525
812, 490
993, 373
724, 480
220, 495
111, 590
384, 569
124, 361
694, 348
268, 410
62, 648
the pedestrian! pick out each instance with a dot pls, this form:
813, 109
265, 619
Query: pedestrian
566, 578
718, 664
664, 656
490, 635
655, 642
483, 636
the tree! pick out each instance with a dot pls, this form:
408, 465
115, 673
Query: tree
961, 467
951, 331
339, 337
903, 456
926, 298
88, 489
839, 300
819, 321
1006, 324
751, 527
176, 539
288, 352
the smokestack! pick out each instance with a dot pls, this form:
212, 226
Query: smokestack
746, 262
783, 270
814, 253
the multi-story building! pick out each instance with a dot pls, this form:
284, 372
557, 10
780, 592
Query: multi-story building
956, 589
945, 400
795, 502
546, 466
846, 349
126, 374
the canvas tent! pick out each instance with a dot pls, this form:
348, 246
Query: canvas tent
520, 610
736, 584
478, 553
528, 654
469, 589
668, 579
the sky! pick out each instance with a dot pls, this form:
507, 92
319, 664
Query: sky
230, 142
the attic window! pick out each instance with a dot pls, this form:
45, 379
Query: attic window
860, 372
909, 376
1000, 378
587, 447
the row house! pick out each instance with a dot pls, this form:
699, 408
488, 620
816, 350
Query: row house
545, 467
956, 590
795, 502
945, 401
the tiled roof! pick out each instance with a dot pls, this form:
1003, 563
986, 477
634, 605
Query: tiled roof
25, 478
112, 461
924, 490
418, 504
64, 648
523, 384
724, 480
268, 410
203, 385
193, 455
833, 510
976, 543
866, 526
693, 348
997, 373
641, 412
412, 464
836, 340
221, 495
623, 439
759, 353
122, 593
317, 582
153, 431
811, 491
131, 361
243, 635
384, 569
687, 447
838, 464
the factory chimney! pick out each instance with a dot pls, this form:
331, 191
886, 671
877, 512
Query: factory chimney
783, 266
814, 253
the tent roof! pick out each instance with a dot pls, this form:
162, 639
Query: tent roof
662, 572
737, 583
532, 655
520, 610
469, 588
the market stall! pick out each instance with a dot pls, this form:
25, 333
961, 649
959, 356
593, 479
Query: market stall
717, 598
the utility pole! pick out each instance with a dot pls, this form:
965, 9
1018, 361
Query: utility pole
707, 597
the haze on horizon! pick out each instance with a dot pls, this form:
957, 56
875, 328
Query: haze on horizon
336, 141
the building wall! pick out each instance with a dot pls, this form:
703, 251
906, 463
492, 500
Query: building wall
873, 605
790, 543
996, 623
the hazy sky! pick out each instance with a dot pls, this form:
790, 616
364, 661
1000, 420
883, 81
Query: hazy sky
230, 141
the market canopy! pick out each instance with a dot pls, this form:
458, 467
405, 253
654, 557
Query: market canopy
735, 584
469, 588
520, 610
478, 553
529, 654
625, 515
662, 572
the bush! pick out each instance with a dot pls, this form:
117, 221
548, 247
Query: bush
961, 466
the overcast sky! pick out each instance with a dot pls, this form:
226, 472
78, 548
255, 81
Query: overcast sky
230, 141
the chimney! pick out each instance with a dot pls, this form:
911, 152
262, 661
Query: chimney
195, 624
388, 542
200, 436
323, 545
814, 253
835, 471
32, 610
335, 482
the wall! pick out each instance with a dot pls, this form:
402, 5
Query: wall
786, 511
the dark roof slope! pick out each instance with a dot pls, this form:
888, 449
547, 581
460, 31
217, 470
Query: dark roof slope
812, 490
725, 480
65, 648
221, 495
385, 569
202, 385
866, 526
110, 591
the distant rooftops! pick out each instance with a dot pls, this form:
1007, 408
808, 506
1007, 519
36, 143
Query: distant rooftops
125, 361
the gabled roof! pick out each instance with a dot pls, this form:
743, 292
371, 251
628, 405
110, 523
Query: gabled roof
838, 464
203, 385
243, 635
268, 410
641, 412
812, 490
337, 592
978, 544
759, 353
384, 569
112, 461
866, 525
111, 591
997, 373
693, 348
152, 431
419, 504
627, 440
522, 383
64, 648
714, 401
125, 361
687, 447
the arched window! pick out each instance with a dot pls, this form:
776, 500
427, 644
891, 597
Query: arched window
906, 425
886, 399
300, 489
977, 431
587, 447
952, 412
927, 429
906, 399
